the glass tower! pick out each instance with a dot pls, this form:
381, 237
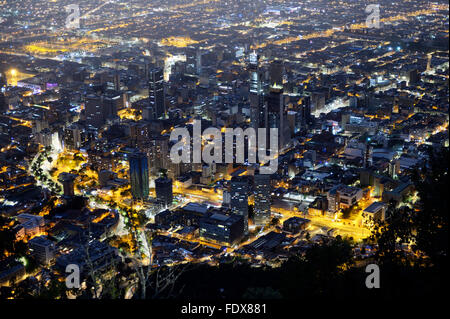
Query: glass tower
139, 175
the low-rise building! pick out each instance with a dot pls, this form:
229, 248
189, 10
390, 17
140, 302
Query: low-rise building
43, 249
374, 212
218, 227
342, 196
295, 224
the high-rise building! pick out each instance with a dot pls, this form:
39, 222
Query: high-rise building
3, 83
74, 136
112, 102
276, 72
239, 198
157, 149
256, 96
163, 188
116, 81
305, 110
139, 175
156, 92
413, 76
277, 117
3, 105
368, 156
262, 198
193, 61
394, 168
317, 101
3, 80
95, 115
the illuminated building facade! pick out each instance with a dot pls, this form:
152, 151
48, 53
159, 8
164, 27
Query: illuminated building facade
257, 110
239, 198
164, 192
218, 227
139, 175
262, 198
156, 92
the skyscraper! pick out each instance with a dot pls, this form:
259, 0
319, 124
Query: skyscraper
193, 61
3, 82
257, 109
95, 115
156, 92
276, 72
3, 105
305, 111
74, 136
116, 81
239, 198
163, 188
276, 116
158, 153
112, 102
262, 198
139, 175
368, 156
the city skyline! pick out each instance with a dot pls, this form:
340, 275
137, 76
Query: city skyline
223, 150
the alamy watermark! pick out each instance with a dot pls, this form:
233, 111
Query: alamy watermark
73, 19
373, 280
212, 152
373, 19
73, 277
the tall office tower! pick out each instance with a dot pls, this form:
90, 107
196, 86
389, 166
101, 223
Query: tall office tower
95, 115
257, 109
276, 116
67, 180
394, 168
139, 175
305, 110
116, 81
163, 188
262, 198
345, 119
74, 136
156, 92
368, 156
111, 104
157, 149
239, 198
3, 105
193, 61
317, 101
293, 119
3, 83
413, 76
276, 72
